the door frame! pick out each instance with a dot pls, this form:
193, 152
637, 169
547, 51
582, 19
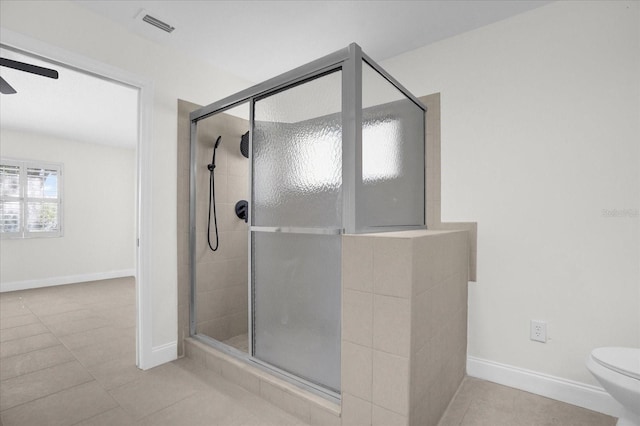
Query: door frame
144, 323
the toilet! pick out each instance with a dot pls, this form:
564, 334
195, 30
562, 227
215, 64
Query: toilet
618, 371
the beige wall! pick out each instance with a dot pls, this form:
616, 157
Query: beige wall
539, 138
174, 75
99, 188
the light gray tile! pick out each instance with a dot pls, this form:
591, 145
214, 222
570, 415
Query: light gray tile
321, 417
12, 308
458, 406
357, 370
238, 373
383, 417
292, 404
481, 413
357, 263
210, 408
150, 393
31, 386
96, 336
392, 266
537, 410
77, 315
64, 408
33, 361
114, 417
357, 315
19, 332
103, 352
392, 324
355, 411
48, 308
478, 402
18, 320
116, 372
122, 317
271, 393
27, 344
391, 382
240, 342
71, 327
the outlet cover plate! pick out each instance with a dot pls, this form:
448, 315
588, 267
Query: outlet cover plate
538, 331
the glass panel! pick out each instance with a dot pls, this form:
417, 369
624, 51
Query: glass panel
297, 304
297, 156
10, 216
392, 191
42, 217
221, 277
9, 180
42, 183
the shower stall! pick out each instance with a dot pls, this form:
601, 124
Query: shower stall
335, 147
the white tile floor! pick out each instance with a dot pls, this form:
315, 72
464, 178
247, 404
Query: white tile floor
67, 357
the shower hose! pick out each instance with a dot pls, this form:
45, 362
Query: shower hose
212, 199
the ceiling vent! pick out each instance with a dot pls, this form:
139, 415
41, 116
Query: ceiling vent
157, 23
155, 20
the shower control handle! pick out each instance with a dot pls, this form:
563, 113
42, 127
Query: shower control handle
242, 210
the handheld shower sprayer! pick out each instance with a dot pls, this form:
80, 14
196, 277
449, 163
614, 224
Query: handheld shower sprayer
212, 197
212, 166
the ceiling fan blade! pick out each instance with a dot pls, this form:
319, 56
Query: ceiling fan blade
33, 69
5, 88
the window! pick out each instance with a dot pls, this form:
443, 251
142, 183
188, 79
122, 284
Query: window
30, 199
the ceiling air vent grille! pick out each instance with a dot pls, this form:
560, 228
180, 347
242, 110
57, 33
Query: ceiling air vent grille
158, 23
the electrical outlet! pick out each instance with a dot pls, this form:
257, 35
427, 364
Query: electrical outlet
538, 331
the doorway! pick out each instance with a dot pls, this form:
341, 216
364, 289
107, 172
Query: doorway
140, 170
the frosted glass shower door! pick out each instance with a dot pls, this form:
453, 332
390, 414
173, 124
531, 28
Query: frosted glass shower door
296, 217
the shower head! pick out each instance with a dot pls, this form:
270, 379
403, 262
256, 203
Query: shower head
217, 142
244, 145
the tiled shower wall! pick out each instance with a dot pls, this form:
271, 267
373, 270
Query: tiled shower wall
221, 276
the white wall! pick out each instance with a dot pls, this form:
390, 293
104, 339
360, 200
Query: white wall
174, 76
540, 134
99, 188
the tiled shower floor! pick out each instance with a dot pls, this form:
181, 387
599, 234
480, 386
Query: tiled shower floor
67, 357
240, 342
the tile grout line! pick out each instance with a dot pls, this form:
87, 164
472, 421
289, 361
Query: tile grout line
34, 350
48, 395
75, 359
373, 332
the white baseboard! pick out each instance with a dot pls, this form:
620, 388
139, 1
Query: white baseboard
162, 354
69, 279
581, 394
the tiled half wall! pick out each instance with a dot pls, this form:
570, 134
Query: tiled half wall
404, 325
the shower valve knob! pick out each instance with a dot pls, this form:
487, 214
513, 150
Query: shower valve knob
242, 210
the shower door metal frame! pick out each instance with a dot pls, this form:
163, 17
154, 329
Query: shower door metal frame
349, 61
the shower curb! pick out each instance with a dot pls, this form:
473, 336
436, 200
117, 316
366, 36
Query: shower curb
306, 406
